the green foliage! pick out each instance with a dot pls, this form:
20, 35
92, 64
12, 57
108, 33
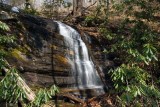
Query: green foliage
9, 89
136, 49
89, 21
2, 61
107, 34
6, 39
4, 27
141, 9
43, 96
131, 81
133, 73
12, 92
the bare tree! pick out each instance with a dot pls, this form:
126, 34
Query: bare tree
77, 7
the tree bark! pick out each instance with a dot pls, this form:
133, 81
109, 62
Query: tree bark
72, 97
77, 7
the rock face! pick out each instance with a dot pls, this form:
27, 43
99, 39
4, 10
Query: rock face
40, 52
40, 56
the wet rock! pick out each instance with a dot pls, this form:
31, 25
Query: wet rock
40, 56
102, 60
4, 15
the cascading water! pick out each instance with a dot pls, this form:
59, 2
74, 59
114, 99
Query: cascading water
83, 68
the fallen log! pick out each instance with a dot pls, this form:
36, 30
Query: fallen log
72, 97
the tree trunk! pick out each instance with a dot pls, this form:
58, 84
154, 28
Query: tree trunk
77, 7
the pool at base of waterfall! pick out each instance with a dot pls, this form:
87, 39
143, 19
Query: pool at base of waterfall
84, 93
89, 92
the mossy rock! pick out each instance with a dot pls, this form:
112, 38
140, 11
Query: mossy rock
18, 55
61, 60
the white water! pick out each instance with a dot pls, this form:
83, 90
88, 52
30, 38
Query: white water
82, 66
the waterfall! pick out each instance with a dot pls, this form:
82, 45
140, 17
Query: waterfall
83, 69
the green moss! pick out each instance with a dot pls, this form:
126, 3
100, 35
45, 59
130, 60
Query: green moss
24, 49
18, 55
20, 52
